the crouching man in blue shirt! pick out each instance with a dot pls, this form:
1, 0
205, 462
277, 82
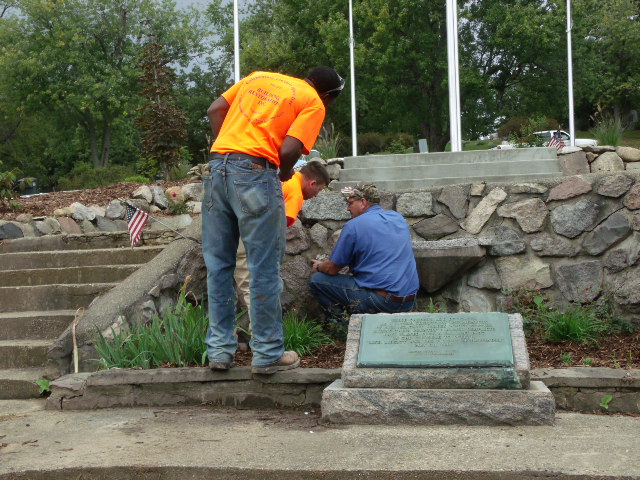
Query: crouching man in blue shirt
376, 246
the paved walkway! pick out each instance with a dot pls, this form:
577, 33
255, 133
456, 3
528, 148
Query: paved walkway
198, 442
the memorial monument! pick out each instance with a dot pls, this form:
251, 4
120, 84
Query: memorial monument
437, 369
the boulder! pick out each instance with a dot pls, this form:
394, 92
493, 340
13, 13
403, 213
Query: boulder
572, 187
483, 211
580, 282
415, 204
505, 241
175, 195
79, 212
572, 219
159, 198
610, 232
326, 206
10, 230
628, 154
547, 245
456, 198
115, 210
434, 228
607, 162
143, 193
530, 214
192, 191
523, 272
632, 198
614, 185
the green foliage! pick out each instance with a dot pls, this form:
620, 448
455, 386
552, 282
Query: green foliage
137, 179
432, 307
587, 362
179, 208
400, 143
523, 136
84, 175
605, 401
44, 386
328, 142
566, 359
371, 142
10, 186
608, 129
174, 339
577, 323
302, 335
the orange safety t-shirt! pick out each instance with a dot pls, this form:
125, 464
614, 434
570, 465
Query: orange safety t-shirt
293, 200
264, 108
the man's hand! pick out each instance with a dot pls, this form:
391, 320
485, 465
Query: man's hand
326, 266
285, 175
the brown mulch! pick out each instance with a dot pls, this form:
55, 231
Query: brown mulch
616, 351
46, 203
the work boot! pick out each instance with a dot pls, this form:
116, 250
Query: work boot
288, 361
221, 366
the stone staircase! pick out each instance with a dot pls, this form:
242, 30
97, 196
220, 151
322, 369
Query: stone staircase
413, 171
43, 282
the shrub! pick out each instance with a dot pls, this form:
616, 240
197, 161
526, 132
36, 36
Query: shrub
400, 143
371, 142
302, 335
174, 339
137, 178
515, 125
84, 175
9, 187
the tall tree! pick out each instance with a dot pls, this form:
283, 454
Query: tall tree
162, 122
79, 58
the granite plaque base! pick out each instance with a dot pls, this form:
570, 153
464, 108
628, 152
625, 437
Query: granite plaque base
515, 377
384, 406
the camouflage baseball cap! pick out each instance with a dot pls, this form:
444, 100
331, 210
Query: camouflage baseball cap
365, 190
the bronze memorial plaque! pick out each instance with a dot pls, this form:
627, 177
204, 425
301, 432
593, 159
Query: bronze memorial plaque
435, 340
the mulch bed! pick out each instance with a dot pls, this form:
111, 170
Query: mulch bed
616, 351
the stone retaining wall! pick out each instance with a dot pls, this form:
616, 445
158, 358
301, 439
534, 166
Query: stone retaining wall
578, 389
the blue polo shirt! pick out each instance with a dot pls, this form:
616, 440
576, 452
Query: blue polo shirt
377, 248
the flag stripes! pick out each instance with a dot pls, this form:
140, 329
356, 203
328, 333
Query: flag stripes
555, 142
136, 219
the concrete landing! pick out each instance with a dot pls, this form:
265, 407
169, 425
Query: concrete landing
202, 442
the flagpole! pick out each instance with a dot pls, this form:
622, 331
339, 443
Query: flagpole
572, 131
454, 76
354, 130
236, 43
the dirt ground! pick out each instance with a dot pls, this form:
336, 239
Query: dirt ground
618, 351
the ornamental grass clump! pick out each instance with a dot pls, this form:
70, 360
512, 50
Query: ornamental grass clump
302, 335
176, 338
578, 324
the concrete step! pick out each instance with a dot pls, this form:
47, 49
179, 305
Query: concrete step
78, 275
34, 325
23, 353
421, 183
77, 258
448, 158
20, 383
440, 171
50, 297
84, 241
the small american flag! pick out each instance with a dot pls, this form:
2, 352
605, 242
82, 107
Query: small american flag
137, 219
556, 142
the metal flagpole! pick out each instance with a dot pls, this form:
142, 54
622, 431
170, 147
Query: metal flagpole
572, 130
354, 131
236, 43
454, 77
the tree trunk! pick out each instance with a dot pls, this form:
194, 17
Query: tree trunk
106, 143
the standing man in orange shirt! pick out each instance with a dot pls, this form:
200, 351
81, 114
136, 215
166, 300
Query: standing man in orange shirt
262, 123
305, 184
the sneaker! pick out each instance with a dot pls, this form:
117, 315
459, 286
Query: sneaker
221, 366
288, 361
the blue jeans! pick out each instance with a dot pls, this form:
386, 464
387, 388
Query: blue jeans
241, 200
340, 294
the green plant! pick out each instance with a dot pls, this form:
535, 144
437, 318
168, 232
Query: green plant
137, 178
44, 386
532, 305
434, 307
302, 335
616, 362
605, 400
587, 361
176, 338
576, 323
328, 142
608, 128
84, 175
566, 359
179, 208
10, 186
524, 136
